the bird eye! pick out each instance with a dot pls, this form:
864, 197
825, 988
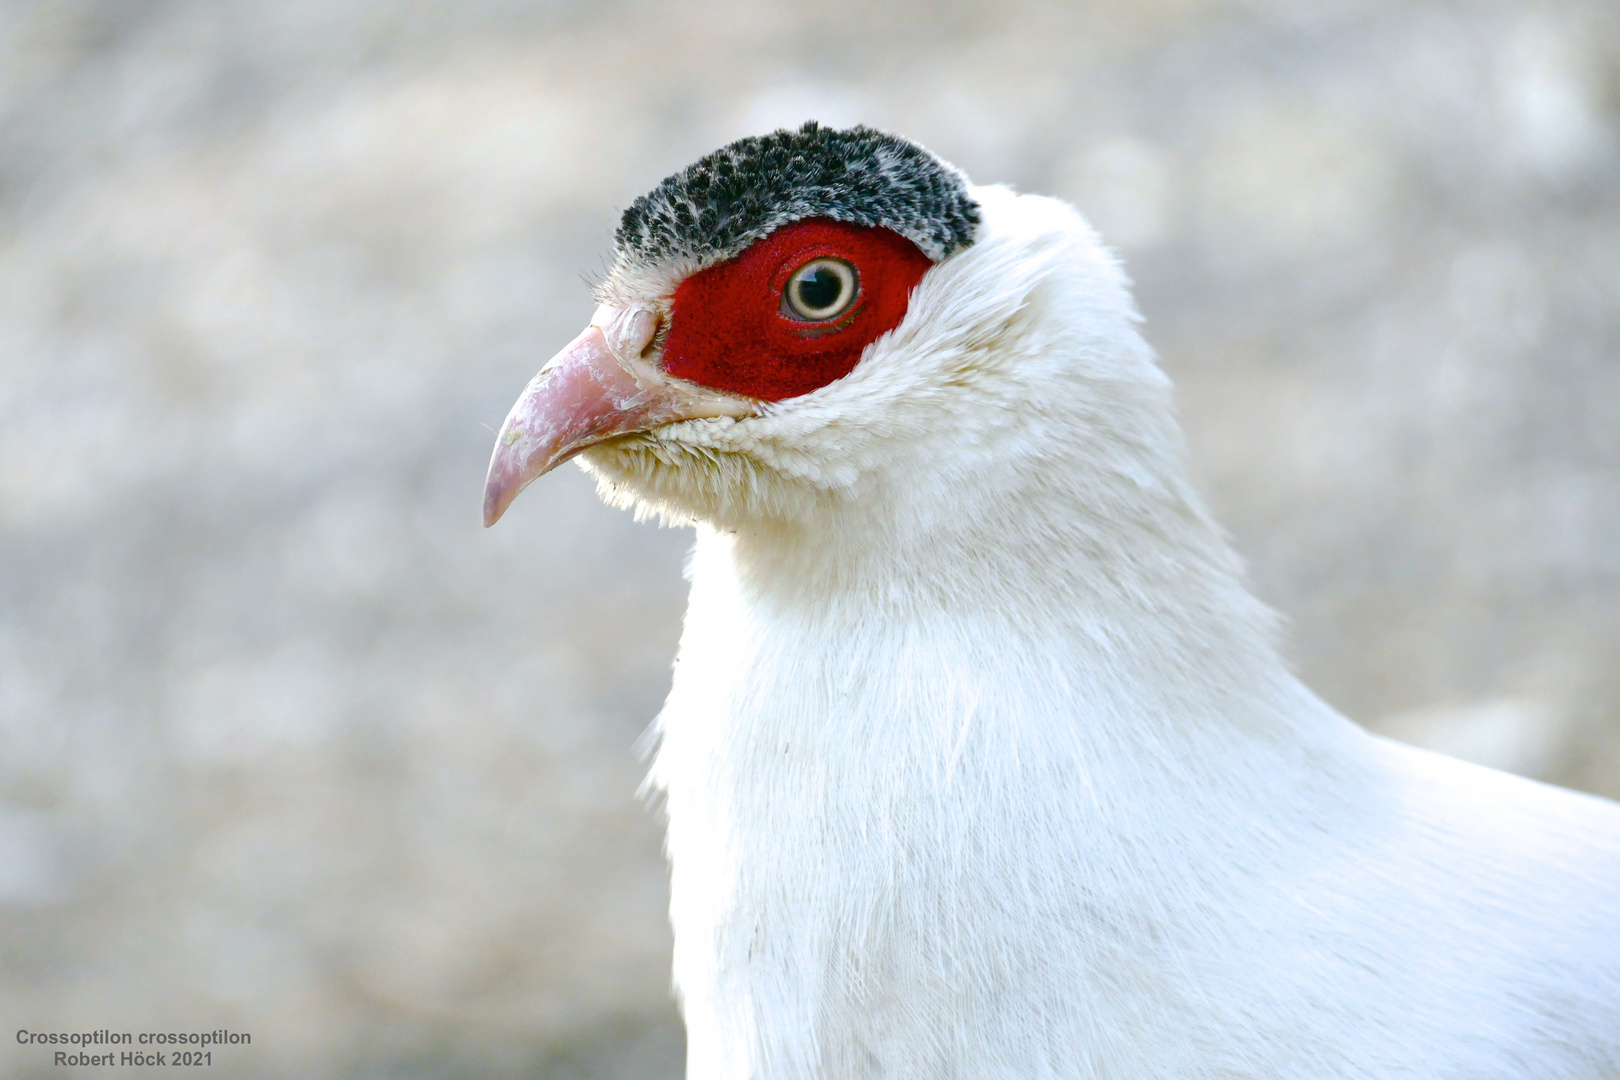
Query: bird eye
820, 290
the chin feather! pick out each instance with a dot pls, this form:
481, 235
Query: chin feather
680, 481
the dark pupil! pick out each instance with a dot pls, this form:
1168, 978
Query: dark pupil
819, 289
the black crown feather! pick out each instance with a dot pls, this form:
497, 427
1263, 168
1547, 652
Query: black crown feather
717, 206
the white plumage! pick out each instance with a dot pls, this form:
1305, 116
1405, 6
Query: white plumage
980, 760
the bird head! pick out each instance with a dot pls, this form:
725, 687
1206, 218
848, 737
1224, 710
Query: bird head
819, 321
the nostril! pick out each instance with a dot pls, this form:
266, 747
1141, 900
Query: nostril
641, 329
630, 332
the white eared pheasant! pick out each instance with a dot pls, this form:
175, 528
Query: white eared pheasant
980, 761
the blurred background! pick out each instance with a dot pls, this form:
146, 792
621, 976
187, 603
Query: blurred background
290, 745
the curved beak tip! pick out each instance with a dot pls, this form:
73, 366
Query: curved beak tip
492, 509
508, 475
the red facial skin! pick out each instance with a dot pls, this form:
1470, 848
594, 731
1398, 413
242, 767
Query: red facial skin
728, 328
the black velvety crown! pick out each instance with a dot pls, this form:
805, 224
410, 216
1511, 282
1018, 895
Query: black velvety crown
717, 206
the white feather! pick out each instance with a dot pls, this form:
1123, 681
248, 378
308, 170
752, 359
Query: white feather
980, 760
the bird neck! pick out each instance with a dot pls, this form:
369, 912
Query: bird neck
1133, 605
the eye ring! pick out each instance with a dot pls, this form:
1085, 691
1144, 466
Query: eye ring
820, 290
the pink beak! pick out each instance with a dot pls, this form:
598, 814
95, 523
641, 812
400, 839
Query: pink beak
599, 387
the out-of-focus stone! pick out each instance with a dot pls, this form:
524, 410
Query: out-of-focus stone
289, 744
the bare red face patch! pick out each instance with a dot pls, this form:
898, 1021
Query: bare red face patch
794, 312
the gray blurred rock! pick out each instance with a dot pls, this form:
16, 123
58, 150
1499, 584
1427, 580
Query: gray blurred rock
289, 745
